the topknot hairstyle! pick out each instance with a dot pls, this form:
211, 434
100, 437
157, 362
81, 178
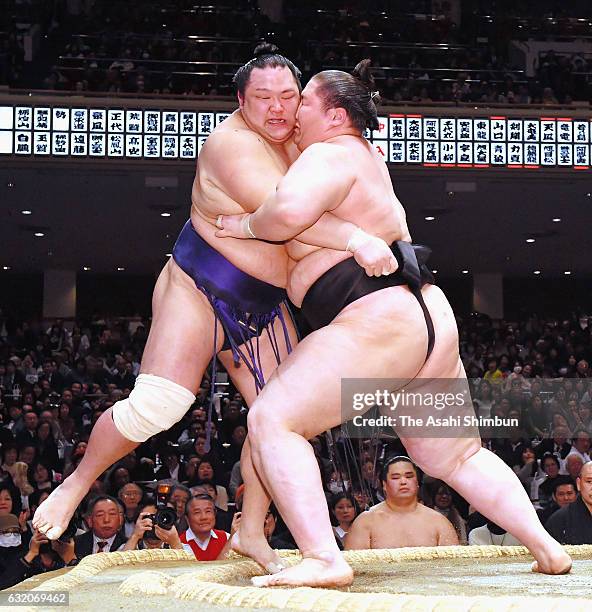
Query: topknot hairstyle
354, 92
265, 56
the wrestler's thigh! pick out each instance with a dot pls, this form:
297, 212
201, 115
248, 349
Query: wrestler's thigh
442, 373
240, 374
181, 340
304, 393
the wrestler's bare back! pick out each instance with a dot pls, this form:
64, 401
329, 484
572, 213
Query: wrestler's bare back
370, 204
236, 162
385, 528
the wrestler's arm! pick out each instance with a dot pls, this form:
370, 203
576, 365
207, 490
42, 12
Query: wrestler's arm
299, 205
358, 537
317, 182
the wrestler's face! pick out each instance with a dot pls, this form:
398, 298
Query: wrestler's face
311, 119
401, 481
270, 103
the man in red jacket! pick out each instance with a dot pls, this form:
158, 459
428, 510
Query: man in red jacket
206, 543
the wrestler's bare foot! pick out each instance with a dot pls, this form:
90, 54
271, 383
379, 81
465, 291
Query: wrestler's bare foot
552, 561
323, 570
54, 514
258, 549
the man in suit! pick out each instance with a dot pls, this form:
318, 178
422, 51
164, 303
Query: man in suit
105, 520
50, 373
171, 468
558, 444
29, 434
572, 524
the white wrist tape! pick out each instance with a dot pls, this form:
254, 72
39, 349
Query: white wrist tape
357, 239
246, 227
154, 405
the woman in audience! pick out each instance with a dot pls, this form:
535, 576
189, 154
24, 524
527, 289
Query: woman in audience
344, 510
527, 467
9, 457
66, 422
47, 450
10, 503
191, 465
205, 471
542, 487
441, 501
42, 476
483, 399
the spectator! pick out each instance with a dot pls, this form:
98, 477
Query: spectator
223, 517
493, 375
205, 471
66, 422
47, 450
15, 422
147, 535
10, 500
572, 524
236, 480
171, 469
42, 556
11, 547
564, 493
29, 434
119, 476
400, 520
344, 510
581, 445
179, 497
104, 519
206, 543
191, 464
491, 534
9, 457
28, 453
573, 466
558, 444
441, 501
278, 541
542, 486
527, 467
131, 497
42, 477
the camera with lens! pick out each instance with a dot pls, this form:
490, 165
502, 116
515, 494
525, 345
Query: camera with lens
69, 532
165, 516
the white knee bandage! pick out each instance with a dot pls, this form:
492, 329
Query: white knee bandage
154, 405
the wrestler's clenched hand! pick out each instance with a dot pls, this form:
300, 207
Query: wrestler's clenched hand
372, 253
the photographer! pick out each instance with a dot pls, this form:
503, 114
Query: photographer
42, 556
148, 535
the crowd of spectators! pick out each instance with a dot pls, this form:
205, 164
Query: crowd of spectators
57, 379
422, 51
